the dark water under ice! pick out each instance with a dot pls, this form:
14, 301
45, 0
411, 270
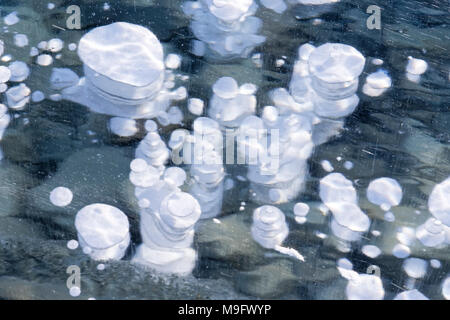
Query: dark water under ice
403, 134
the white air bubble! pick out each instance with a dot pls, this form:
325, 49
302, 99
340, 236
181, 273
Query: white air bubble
411, 295
123, 127
175, 176
195, 106
384, 191
151, 126
20, 40
377, 61
248, 88
37, 96
389, 216
446, 288
226, 88
439, 202
5, 74
434, 263
173, 61
416, 66
72, 244
371, 251
55, 45
138, 165
279, 63
72, 46
327, 166
19, 71
61, 196
365, 287
301, 209
348, 165
144, 203
415, 268
11, 19
104, 229
401, 251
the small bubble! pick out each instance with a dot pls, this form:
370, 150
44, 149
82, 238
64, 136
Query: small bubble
75, 291
72, 244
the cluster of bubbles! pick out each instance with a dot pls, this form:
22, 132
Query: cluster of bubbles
225, 29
